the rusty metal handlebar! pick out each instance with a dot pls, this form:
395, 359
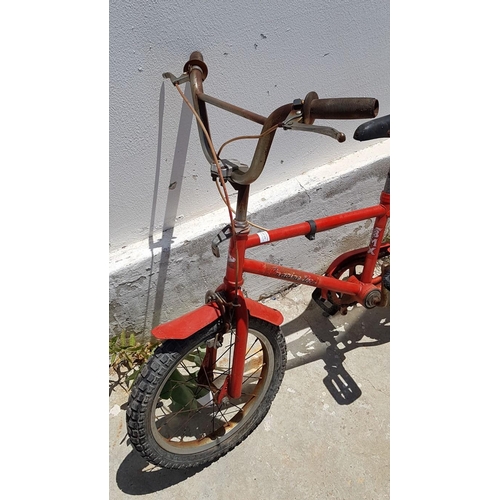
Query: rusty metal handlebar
312, 108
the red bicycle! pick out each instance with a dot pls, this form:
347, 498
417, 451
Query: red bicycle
213, 379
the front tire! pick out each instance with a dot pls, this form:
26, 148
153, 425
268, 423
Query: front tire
173, 419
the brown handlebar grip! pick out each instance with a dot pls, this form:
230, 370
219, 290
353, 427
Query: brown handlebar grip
343, 108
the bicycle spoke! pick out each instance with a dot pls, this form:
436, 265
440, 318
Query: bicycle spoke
252, 374
252, 355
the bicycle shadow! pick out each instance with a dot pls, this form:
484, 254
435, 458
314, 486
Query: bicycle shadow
135, 476
338, 335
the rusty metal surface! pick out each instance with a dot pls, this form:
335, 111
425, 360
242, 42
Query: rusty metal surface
197, 73
244, 113
263, 147
313, 108
306, 108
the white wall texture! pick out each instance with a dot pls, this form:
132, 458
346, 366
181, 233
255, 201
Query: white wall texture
260, 55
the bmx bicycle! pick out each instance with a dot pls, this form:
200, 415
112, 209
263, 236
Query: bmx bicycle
214, 377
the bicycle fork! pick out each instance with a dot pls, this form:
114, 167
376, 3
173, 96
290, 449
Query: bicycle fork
233, 281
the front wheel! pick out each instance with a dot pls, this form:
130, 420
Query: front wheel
173, 417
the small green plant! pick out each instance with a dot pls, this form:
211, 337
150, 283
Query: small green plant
128, 354
184, 390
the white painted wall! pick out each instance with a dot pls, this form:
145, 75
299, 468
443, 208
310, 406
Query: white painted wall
260, 55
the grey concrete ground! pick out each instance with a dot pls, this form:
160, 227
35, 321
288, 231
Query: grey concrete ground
325, 436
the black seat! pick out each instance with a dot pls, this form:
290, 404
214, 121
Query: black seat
379, 128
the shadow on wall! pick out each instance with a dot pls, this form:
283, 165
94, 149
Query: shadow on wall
175, 184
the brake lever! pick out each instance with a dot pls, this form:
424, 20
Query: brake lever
318, 129
293, 122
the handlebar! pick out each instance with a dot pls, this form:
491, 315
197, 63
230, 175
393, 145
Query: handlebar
312, 108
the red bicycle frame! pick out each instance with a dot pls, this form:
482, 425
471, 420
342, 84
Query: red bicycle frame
358, 289
228, 296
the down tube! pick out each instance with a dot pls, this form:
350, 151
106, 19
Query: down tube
301, 277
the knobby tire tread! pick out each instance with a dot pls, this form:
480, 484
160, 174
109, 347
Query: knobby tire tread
152, 375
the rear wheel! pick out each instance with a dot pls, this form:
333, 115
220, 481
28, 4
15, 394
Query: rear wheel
173, 417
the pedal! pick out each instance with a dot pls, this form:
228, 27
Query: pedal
329, 308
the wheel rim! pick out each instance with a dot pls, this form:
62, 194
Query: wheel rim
187, 419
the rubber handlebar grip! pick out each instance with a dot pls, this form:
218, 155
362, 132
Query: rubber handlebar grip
343, 108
